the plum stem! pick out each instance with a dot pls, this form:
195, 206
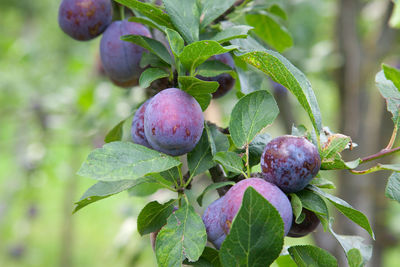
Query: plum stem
180, 177
247, 161
122, 12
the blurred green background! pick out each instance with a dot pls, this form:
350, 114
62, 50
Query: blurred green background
55, 108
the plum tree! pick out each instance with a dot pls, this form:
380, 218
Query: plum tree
290, 162
219, 215
84, 20
308, 225
173, 122
226, 81
212, 220
121, 59
183, 37
137, 129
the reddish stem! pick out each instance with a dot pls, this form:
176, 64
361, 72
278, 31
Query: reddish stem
382, 153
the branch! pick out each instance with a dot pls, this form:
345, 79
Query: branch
380, 154
393, 138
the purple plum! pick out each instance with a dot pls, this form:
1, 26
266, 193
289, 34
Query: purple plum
173, 122
137, 129
308, 225
278, 199
84, 20
290, 162
212, 220
226, 81
219, 215
121, 59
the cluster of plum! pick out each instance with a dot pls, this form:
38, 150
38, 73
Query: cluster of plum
288, 164
172, 121
84, 20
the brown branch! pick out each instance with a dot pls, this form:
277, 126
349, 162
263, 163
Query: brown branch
380, 154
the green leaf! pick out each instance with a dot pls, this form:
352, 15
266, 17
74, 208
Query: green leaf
346, 209
153, 46
172, 175
256, 235
217, 140
149, 59
212, 68
250, 78
154, 216
250, 115
282, 71
209, 258
212, 256
151, 11
231, 161
322, 183
194, 86
184, 236
144, 189
354, 258
297, 207
337, 163
185, 15
211, 9
116, 133
175, 41
196, 53
103, 190
308, 255
390, 93
393, 187
349, 242
392, 74
200, 90
314, 203
257, 146
336, 143
204, 100
285, 261
150, 75
269, 29
200, 158
148, 22
211, 187
234, 32
278, 11
124, 161
389, 167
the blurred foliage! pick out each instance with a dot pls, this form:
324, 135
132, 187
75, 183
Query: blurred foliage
55, 108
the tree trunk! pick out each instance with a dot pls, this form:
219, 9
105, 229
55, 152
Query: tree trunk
361, 111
